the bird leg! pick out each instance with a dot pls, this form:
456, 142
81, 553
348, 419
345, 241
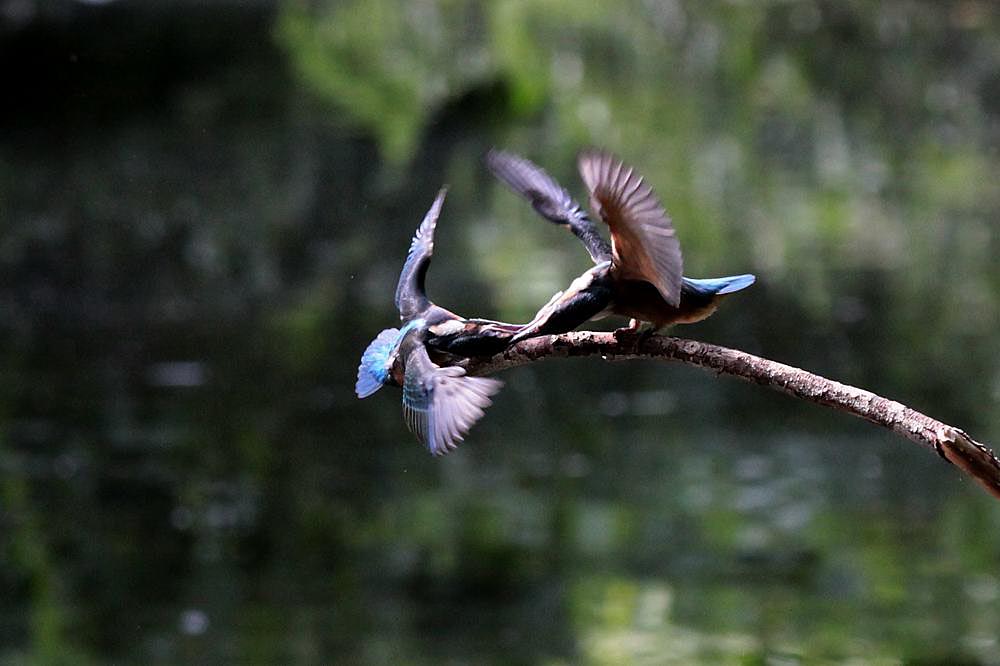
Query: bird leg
630, 330
636, 331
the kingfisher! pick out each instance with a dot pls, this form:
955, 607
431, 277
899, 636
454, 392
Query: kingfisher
639, 274
440, 402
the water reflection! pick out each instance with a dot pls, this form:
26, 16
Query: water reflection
204, 216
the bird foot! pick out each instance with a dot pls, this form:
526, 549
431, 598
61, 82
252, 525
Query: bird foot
634, 333
625, 333
646, 334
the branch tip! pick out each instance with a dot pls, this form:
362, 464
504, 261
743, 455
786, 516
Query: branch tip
954, 445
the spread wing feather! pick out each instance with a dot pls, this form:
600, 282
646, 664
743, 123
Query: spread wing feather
441, 404
411, 297
548, 198
375, 362
643, 241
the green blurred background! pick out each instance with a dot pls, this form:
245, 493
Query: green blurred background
204, 208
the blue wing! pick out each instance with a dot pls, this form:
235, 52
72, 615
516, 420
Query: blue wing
720, 286
441, 404
373, 372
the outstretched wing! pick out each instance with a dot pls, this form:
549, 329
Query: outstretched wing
373, 372
411, 297
441, 404
643, 241
548, 198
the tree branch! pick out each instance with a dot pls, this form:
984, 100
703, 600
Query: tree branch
949, 442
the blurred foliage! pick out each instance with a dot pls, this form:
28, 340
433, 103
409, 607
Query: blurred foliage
204, 210
828, 146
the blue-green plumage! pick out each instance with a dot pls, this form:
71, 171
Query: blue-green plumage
376, 363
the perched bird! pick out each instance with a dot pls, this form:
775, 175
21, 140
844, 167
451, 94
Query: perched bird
639, 274
440, 403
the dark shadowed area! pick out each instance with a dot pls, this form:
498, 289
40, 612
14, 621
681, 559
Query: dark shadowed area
203, 211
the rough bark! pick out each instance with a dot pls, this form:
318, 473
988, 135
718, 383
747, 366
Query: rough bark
951, 443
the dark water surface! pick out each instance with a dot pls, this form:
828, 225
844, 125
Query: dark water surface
204, 211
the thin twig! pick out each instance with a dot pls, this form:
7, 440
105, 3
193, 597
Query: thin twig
949, 442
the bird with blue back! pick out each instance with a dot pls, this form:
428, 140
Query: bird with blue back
638, 275
440, 402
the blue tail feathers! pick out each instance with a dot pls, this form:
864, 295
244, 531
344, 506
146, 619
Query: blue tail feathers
373, 372
721, 286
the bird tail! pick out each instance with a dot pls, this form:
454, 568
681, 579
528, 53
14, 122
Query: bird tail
720, 286
373, 372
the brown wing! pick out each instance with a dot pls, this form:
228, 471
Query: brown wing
643, 241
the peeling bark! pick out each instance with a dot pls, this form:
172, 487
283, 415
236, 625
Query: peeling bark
952, 444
